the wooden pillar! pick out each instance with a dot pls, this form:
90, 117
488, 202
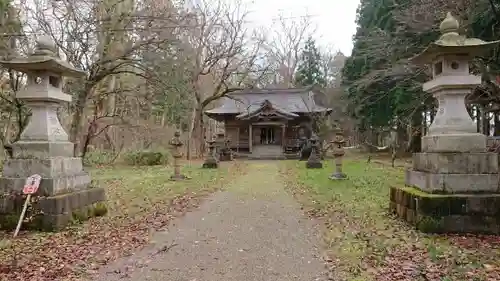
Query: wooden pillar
283, 135
250, 138
238, 140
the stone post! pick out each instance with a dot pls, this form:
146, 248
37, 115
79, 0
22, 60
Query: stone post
338, 152
44, 147
314, 160
211, 162
176, 144
454, 162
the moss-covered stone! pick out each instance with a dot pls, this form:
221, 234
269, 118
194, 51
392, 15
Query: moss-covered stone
80, 215
52, 213
100, 209
470, 213
430, 224
8, 221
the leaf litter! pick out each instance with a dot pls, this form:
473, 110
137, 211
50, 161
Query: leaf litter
141, 200
365, 243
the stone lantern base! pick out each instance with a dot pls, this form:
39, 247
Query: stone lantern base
52, 213
450, 192
179, 177
210, 164
314, 164
65, 194
447, 213
338, 176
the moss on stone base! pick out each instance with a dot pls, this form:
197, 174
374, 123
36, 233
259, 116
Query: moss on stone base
53, 213
100, 209
430, 224
437, 213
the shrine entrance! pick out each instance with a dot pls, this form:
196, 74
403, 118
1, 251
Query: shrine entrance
267, 135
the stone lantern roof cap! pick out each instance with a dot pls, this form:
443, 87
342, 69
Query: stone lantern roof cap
44, 58
451, 42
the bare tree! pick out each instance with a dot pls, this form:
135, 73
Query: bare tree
224, 55
285, 45
106, 39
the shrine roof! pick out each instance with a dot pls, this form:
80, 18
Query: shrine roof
287, 100
266, 105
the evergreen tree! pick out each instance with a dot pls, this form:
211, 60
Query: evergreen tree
309, 70
384, 90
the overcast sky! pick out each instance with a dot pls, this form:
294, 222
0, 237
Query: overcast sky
334, 19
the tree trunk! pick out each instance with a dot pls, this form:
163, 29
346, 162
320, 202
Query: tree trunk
76, 122
198, 131
485, 121
497, 124
478, 119
190, 134
416, 132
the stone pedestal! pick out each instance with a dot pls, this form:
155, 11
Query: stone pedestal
453, 185
314, 160
444, 213
454, 172
65, 193
454, 143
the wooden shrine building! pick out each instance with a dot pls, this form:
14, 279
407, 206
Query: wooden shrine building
268, 122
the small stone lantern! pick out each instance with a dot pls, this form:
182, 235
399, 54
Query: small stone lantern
314, 160
176, 145
338, 152
211, 162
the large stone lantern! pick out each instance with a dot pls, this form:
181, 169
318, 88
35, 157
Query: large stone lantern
44, 147
454, 162
453, 129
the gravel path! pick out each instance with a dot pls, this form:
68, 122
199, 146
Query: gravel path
253, 231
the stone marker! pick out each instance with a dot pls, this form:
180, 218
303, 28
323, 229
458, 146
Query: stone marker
176, 144
314, 160
211, 162
338, 152
44, 148
454, 161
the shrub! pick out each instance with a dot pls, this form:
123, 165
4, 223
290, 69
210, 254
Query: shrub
96, 158
146, 158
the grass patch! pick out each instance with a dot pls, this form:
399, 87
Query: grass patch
140, 200
365, 243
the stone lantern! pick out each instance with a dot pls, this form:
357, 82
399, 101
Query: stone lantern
453, 130
314, 160
337, 145
176, 144
454, 161
44, 147
211, 162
